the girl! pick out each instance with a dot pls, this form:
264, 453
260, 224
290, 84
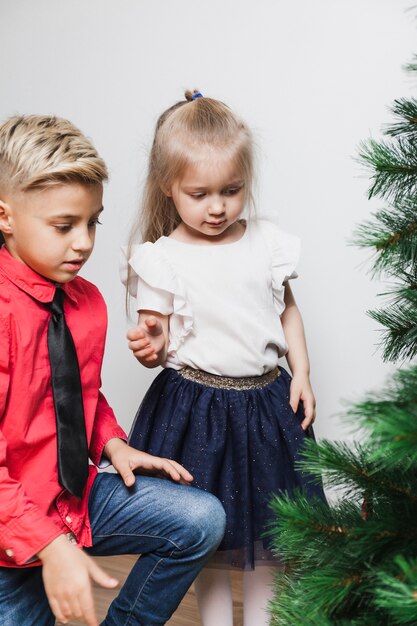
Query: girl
216, 311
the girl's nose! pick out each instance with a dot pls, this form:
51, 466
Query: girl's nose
217, 206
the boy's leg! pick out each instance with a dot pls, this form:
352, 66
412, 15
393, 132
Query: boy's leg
174, 527
22, 598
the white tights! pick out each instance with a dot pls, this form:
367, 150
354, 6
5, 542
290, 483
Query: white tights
213, 591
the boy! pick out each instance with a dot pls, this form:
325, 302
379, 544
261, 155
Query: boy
53, 416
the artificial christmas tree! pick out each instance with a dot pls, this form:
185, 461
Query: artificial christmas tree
355, 562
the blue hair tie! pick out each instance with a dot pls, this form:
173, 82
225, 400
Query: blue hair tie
197, 95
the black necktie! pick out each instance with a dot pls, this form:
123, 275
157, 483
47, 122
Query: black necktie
68, 401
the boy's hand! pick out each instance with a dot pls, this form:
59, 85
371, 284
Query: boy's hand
147, 340
126, 460
300, 389
67, 574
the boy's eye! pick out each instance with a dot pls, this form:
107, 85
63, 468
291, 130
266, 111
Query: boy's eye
63, 228
94, 222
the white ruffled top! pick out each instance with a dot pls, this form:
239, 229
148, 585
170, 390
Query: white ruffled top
224, 301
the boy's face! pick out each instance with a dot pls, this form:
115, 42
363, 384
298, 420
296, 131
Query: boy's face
52, 230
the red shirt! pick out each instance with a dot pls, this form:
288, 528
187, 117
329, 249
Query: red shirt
34, 508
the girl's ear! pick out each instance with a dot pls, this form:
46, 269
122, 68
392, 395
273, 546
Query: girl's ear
5, 218
165, 190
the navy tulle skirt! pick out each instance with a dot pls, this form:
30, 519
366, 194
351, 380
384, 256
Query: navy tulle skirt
240, 445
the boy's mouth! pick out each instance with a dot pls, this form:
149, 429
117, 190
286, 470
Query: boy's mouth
74, 264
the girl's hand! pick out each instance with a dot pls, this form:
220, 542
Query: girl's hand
126, 460
147, 341
300, 389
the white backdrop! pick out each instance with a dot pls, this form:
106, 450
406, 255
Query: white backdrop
312, 79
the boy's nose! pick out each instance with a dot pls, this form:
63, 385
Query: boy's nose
83, 242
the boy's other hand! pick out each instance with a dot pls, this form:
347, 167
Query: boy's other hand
126, 460
67, 574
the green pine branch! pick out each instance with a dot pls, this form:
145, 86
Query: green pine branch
393, 167
397, 592
390, 417
353, 468
392, 233
406, 112
399, 337
334, 556
412, 65
311, 537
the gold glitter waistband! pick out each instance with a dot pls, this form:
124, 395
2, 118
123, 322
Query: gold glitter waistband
227, 382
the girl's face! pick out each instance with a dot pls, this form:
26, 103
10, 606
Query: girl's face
209, 198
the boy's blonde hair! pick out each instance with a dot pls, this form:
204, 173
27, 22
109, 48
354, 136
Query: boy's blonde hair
182, 132
38, 151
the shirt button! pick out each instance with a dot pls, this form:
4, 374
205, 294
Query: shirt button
68, 519
9, 552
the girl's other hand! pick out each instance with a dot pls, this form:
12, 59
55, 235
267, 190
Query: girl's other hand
148, 341
300, 389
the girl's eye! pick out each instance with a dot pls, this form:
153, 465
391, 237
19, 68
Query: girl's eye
198, 196
232, 191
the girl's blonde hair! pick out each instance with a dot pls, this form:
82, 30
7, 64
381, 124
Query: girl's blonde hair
181, 133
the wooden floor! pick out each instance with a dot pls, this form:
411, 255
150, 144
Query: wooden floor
186, 614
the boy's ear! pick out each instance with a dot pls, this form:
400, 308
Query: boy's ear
5, 214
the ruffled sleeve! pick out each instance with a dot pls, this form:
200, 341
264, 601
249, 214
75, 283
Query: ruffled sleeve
152, 282
285, 253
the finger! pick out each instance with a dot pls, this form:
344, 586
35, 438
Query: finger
87, 608
139, 344
306, 423
135, 333
156, 464
102, 578
294, 399
309, 408
127, 475
144, 353
67, 608
175, 471
56, 610
151, 357
154, 326
309, 412
76, 609
151, 322
184, 473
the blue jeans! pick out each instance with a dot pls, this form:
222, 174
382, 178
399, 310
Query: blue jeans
174, 527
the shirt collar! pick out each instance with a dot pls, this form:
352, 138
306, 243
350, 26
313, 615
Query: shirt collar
30, 281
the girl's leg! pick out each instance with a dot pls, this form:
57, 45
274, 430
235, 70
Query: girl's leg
213, 591
257, 591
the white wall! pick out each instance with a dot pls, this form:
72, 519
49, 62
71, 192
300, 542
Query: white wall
312, 79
